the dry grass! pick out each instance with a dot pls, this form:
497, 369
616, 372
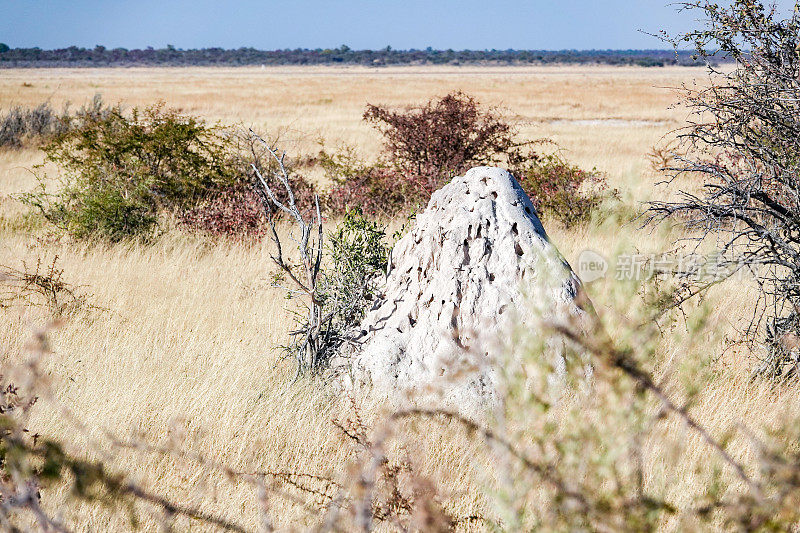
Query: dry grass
185, 349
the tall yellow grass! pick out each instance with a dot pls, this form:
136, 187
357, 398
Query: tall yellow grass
186, 346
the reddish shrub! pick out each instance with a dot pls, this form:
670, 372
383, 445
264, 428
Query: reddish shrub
443, 137
561, 190
375, 189
424, 147
237, 212
379, 192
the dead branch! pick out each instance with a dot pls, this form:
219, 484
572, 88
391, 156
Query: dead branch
309, 343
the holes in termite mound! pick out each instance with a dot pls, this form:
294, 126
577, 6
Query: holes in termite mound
518, 249
494, 195
466, 259
514, 229
491, 276
528, 210
478, 232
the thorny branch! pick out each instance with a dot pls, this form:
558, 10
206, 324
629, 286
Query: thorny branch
742, 145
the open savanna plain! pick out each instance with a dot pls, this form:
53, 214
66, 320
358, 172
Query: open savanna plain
179, 350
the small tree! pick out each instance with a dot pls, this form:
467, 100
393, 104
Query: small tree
444, 137
744, 144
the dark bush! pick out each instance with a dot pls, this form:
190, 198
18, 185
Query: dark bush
12, 128
424, 147
562, 190
444, 137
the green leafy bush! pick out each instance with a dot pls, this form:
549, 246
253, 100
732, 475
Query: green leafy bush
175, 157
120, 172
358, 254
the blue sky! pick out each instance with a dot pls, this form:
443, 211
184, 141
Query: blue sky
269, 24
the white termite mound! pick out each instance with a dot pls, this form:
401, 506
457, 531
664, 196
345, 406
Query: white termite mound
476, 264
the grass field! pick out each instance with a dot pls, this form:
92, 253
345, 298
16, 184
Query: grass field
183, 349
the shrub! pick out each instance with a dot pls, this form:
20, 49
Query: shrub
238, 211
357, 255
424, 147
104, 210
12, 128
347, 282
41, 286
20, 126
335, 282
561, 190
375, 189
120, 172
235, 212
175, 158
444, 137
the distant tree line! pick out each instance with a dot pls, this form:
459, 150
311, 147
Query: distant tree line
171, 56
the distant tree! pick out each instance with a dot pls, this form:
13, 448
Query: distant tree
73, 55
4, 48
